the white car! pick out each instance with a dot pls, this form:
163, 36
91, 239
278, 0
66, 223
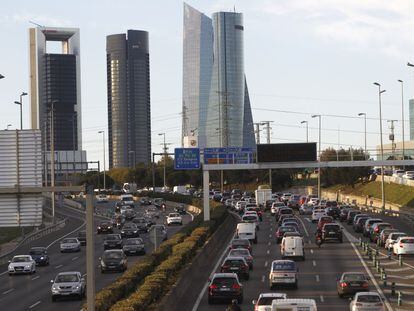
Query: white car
240, 205
392, 238
408, 175
102, 198
404, 246
317, 213
275, 207
313, 201
367, 301
70, 245
398, 173
286, 196
264, 302
22, 264
174, 218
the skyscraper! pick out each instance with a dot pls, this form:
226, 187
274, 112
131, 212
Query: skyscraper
411, 119
128, 84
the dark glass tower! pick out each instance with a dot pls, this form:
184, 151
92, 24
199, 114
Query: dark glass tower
129, 114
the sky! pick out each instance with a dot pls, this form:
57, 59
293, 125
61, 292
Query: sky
302, 57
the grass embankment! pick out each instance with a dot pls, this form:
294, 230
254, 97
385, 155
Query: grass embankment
8, 234
394, 193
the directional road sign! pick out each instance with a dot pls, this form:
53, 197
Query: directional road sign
186, 158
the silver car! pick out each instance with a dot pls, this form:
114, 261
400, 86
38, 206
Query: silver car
22, 264
67, 284
70, 245
364, 301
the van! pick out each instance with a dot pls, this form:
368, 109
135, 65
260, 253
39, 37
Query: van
292, 246
251, 217
293, 304
247, 231
127, 199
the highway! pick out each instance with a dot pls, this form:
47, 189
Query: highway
32, 292
319, 272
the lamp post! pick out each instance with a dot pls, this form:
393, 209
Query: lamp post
402, 118
365, 131
104, 164
307, 130
165, 158
382, 146
319, 155
20, 103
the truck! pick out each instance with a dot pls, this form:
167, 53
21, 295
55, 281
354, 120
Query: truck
129, 188
262, 195
180, 189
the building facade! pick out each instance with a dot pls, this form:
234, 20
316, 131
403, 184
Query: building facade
128, 86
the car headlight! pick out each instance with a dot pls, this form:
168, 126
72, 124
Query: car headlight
103, 264
28, 266
99, 227
135, 231
10, 267
41, 258
77, 287
122, 231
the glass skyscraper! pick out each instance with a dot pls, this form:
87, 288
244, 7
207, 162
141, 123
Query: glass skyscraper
215, 96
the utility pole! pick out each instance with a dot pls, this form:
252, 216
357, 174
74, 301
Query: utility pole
184, 124
90, 250
380, 92
165, 158
392, 137
268, 128
257, 131
402, 119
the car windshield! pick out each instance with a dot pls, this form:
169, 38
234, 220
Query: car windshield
287, 229
240, 242
284, 266
224, 281
130, 226
395, 236
233, 262
67, 278
70, 241
354, 277
112, 255
407, 241
369, 298
331, 227
21, 259
134, 242
38, 251
112, 237
267, 301
249, 217
104, 224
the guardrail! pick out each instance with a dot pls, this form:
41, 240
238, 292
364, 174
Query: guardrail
34, 236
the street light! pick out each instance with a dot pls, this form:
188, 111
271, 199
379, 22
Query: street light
307, 130
165, 158
365, 131
402, 118
319, 155
20, 103
382, 146
104, 165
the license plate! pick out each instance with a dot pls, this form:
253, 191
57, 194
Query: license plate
111, 267
225, 289
354, 284
234, 268
65, 293
132, 251
331, 233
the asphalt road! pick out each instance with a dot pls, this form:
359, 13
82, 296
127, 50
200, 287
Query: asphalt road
319, 272
32, 292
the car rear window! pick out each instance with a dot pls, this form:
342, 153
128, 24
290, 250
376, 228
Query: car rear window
284, 266
286, 211
234, 262
240, 242
249, 217
354, 277
369, 298
224, 281
407, 241
331, 227
267, 301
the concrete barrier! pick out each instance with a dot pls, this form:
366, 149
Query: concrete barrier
194, 277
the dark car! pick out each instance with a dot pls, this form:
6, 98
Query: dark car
343, 214
242, 252
134, 246
359, 224
351, 283
324, 220
225, 287
283, 211
129, 230
351, 215
129, 213
39, 255
82, 237
333, 211
331, 232
180, 209
113, 260
144, 201
331, 204
105, 227
112, 241
376, 229
142, 224
236, 265
241, 243
367, 225
281, 232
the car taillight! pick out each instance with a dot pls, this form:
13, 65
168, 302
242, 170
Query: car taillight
379, 304
213, 286
246, 267
365, 285
225, 267
376, 229
402, 246
235, 286
344, 284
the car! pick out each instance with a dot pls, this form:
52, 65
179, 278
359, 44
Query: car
275, 207
174, 219
225, 287
367, 301
344, 213
112, 241
241, 243
324, 220
351, 283
384, 235
142, 224
283, 211
236, 265
281, 232
134, 246
283, 272
129, 230
152, 212
286, 197
392, 238
113, 260
105, 227
268, 204
404, 246
317, 213
129, 213
313, 201
22, 264
305, 209
358, 216
332, 231
144, 201
376, 229
251, 217
242, 252
264, 302
39, 255
359, 224
292, 247
68, 284
180, 209
158, 202
367, 225
408, 175
82, 237
102, 198
333, 211
351, 215
398, 173
127, 199
70, 245
293, 224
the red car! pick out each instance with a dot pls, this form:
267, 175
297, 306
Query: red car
324, 220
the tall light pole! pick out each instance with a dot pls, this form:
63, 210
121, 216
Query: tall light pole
307, 130
365, 132
165, 158
104, 165
319, 155
20, 103
382, 146
402, 118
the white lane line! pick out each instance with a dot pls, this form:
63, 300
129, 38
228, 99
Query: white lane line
35, 304
8, 291
62, 237
311, 251
322, 299
263, 278
268, 252
270, 235
191, 215
36, 277
74, 258
270, 243
350, 238
266, 263
317, 278
310, 241
58, 266
308, 220
314, 263
304, 227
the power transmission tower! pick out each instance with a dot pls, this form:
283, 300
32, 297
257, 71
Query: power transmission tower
257, 131
392, 137
184, 124
267, 128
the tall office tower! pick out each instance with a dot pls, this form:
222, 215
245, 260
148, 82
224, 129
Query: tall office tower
129, 114
411, 111
197, 67
55, 83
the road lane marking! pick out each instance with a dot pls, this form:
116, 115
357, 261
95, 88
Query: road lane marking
36, 277
270, 235
322, 299
263, 278
58, 266
8, 291
303, 225
35, 304
74, 258
314, 263
307, 219
317, 278
311, 251
266, 263
268, 252
270, 243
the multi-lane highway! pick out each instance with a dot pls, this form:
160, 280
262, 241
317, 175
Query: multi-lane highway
319, 272
32, 292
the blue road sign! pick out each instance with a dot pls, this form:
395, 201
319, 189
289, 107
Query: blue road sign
186, 158
230, 155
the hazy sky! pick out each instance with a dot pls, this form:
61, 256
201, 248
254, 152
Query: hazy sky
302, 57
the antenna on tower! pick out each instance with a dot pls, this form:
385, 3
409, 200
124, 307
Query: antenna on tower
36, 24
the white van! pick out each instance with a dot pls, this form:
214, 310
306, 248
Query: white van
292, 246
247, 230
292, 304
